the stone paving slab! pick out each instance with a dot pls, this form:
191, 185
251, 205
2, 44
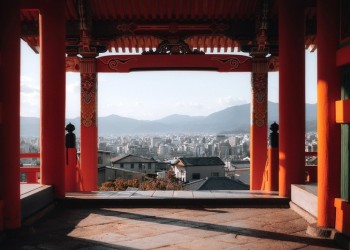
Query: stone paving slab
144, 194
214, 194
122, 194
30, 189
167, 228
163, 194
183, 194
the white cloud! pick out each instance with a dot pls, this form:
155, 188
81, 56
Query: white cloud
30, 104
229, 101
73, 87
29, 84
191, 105
138, 104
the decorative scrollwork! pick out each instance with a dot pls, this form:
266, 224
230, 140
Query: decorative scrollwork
72, 64
178, 47
88, 87
259, 90
88, 116
233, 61
88, 99
273, 63
126, 28
114, 63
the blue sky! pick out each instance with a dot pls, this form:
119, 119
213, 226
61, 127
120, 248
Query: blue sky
154, 95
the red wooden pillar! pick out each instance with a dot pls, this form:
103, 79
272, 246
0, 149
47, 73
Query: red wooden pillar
71, 170
258, 127
291, 95
88, 130
328, 91
10, 113
53, 92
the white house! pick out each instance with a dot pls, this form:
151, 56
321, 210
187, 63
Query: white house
103, 158
193, 168
135, 163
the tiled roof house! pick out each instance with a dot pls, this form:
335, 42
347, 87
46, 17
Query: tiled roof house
194, 168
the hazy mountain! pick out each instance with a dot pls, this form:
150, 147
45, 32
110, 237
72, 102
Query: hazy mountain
230, 120
30, 126
171, 119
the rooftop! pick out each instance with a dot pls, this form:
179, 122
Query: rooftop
131, 159
200, 161
216, 183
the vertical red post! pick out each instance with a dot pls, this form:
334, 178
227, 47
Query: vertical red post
328, 91
53, 92
258, 128
88, 129
10, 112
71, 170
291, 95
1, 216
272, 171
32, 177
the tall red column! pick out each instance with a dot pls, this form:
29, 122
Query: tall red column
258, 127
88, 130
10, 112
328, 91
291, 95
53, 91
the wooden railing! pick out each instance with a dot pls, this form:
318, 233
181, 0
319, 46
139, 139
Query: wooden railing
310, 170
30, 174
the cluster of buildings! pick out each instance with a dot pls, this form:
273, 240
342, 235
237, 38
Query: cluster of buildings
197, 173
311, 142
211, 156
162, 148
190, 157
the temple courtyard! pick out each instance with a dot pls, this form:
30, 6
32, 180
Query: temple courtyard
66, 227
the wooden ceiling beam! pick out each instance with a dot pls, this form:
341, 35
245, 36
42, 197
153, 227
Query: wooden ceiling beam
127, 9
161, 9
178, 9
112, 9
153, 8
187, 10
136, 10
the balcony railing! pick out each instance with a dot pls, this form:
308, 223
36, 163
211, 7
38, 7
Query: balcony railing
30, 174
310, 169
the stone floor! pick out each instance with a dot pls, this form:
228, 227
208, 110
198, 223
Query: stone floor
167, 228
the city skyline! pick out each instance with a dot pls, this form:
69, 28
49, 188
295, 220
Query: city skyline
153, 95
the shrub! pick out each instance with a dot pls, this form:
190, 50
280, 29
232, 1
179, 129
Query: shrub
170, 183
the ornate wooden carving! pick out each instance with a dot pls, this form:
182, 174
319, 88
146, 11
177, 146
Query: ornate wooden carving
113, 64
88, 92
273, 63
221, 63
233, 61
72, 64
259, 91
177, 47
259, 104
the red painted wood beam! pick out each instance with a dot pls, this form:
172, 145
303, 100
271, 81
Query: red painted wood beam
291, 95
328, 92
88, 128
53, 92
221, 63
10, 105
31, 4
30, 155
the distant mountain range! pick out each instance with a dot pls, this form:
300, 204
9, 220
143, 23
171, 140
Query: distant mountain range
235, 119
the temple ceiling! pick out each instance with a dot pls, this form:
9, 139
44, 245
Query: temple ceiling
142, 25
